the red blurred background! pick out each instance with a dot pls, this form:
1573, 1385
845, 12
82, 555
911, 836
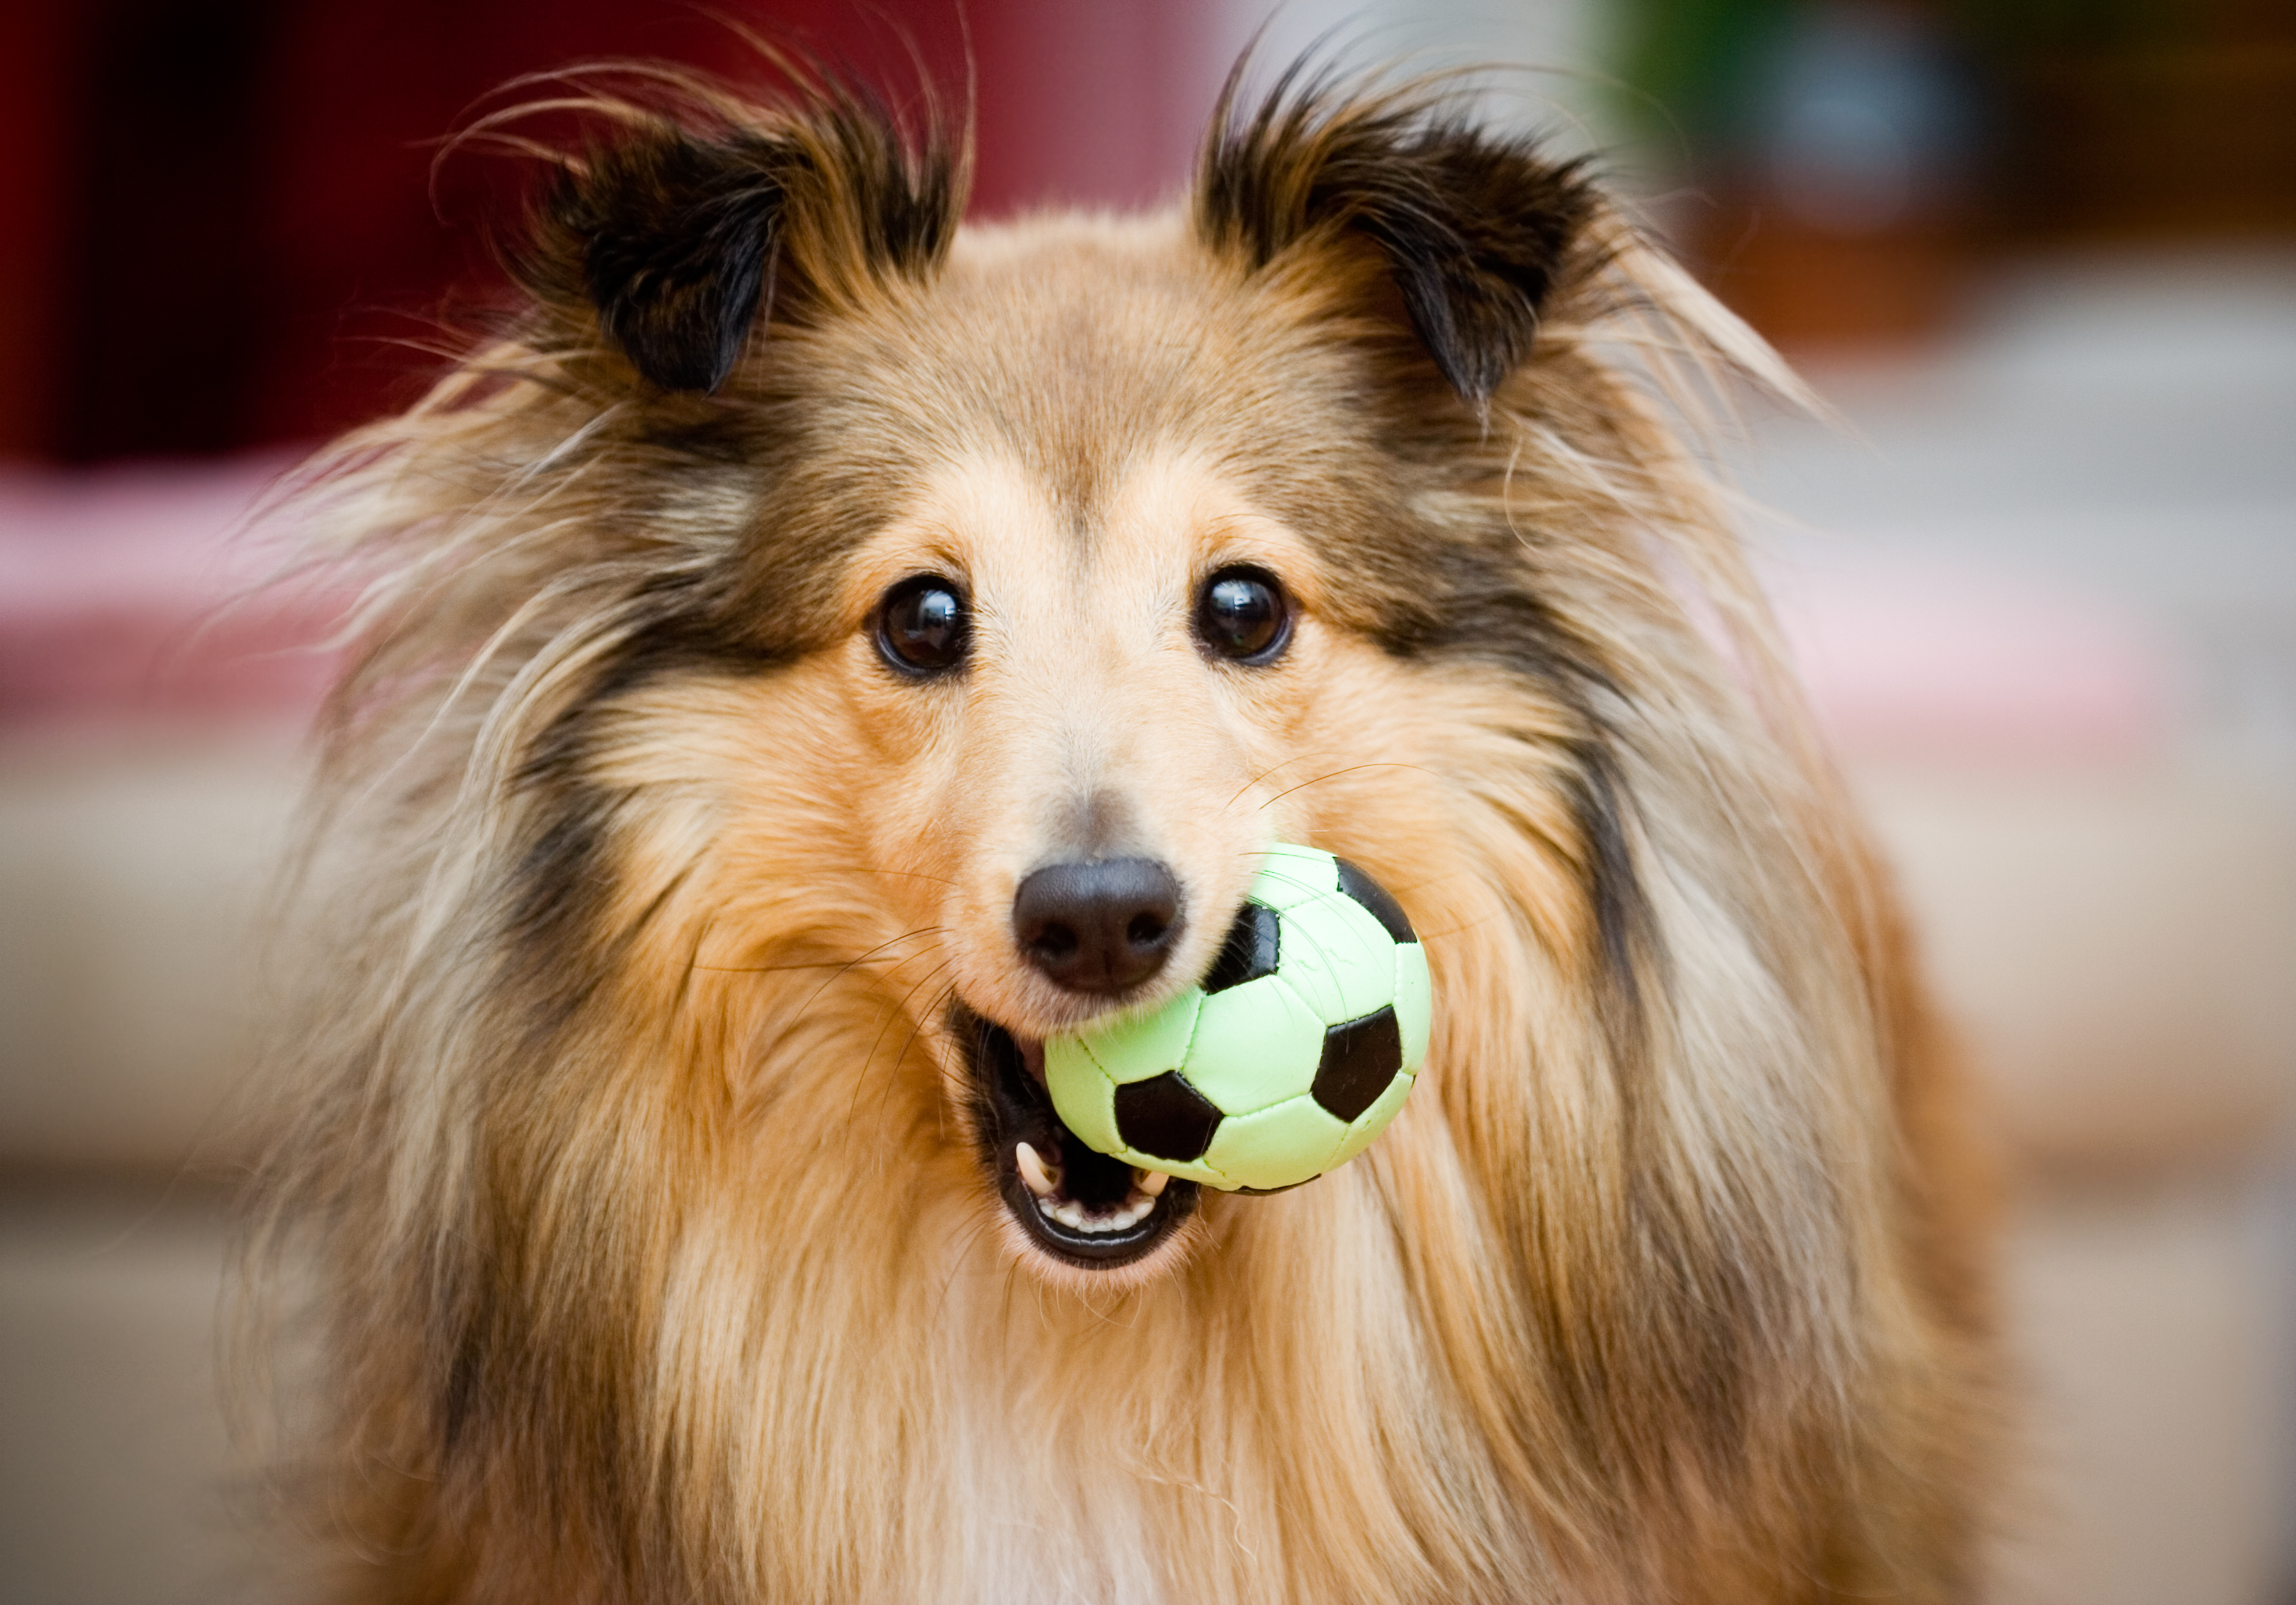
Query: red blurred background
223, 226
223, 229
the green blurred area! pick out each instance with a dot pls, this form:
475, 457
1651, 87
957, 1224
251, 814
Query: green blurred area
1685, 69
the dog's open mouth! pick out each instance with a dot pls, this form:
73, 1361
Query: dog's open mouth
1080, 1206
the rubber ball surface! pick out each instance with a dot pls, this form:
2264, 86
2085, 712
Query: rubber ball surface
1298, 1048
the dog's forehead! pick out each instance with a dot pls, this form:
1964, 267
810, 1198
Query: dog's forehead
1081, 347
1160, 516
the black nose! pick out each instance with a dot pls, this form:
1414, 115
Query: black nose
1098, 927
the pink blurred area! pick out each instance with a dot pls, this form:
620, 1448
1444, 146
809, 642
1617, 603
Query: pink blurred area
142, 592
1934, 658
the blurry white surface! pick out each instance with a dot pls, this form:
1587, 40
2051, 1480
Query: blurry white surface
2119, 948
116, 1485
2156, 1394
132, 873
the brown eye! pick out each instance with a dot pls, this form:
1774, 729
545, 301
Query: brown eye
922, 627
1242, 614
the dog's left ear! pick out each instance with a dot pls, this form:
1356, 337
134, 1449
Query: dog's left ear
1477, 229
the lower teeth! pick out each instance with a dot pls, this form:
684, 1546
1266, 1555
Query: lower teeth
1072, 1215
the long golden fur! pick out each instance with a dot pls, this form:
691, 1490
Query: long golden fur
640, 1155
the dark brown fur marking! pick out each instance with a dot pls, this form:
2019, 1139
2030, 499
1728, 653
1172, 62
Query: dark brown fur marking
676, 235
1476, 228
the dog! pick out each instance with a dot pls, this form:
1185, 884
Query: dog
795, 575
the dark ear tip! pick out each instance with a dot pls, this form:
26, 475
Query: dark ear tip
678, 256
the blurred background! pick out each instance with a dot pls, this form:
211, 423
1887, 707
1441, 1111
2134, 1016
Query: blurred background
2041, 254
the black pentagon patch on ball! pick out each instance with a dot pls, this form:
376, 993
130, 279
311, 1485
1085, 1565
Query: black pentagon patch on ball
1252, 950
1373, 896
1360, 1058
1166, 1117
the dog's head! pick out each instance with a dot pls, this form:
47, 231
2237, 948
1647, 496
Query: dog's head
960, 613
902, 640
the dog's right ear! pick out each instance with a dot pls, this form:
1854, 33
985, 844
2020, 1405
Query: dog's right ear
679, 241
677, 237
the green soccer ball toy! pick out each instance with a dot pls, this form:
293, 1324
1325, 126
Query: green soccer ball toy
1296, 1050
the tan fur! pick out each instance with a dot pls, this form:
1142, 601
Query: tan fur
685, 1282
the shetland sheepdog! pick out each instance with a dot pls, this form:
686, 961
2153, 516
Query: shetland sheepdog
797, 573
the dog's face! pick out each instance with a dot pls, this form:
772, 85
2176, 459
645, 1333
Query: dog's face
1092, 644
1101, 690
1071, 750
1074, 563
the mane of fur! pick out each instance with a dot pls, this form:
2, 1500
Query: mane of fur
648, 1263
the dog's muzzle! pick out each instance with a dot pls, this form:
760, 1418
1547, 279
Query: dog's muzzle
1079, 1207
